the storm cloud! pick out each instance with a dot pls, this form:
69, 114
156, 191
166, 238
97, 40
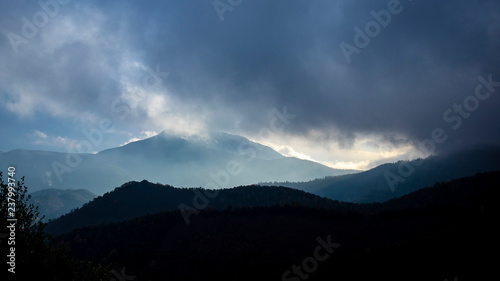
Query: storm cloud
225, 65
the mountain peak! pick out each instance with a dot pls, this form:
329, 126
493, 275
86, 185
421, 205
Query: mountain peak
214, 159
222, 141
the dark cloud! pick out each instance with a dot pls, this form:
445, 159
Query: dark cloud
270, 54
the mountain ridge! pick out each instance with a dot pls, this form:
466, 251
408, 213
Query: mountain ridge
374, 185
455, 221
53, 203
163, 158
135, 199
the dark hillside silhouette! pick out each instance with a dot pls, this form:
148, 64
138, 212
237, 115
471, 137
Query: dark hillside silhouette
135, 199
436, 233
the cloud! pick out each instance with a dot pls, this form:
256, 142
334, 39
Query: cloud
229, 75
40, 134
288, 151
143, 135
42, 139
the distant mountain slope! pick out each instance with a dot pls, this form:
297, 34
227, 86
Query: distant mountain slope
433, 234
136, 199
54, 203
310, 186
373, 186
479, 192
219, 160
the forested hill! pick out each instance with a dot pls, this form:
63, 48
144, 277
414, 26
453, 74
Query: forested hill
135, 199
438, 233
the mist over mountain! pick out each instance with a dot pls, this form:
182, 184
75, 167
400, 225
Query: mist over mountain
393, 180
218, 160
53, 203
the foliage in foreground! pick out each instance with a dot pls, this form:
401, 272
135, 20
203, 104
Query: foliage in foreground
35, 252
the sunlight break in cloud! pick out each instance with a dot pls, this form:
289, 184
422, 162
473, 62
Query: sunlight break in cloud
362, 153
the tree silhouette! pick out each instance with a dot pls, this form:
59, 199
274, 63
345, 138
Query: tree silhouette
35, 252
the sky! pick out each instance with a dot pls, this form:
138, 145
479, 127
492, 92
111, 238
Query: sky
350, 84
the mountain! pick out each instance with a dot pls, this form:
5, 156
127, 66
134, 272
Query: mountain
438, 233
53, 203
136, 199
393, 180
217, 160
